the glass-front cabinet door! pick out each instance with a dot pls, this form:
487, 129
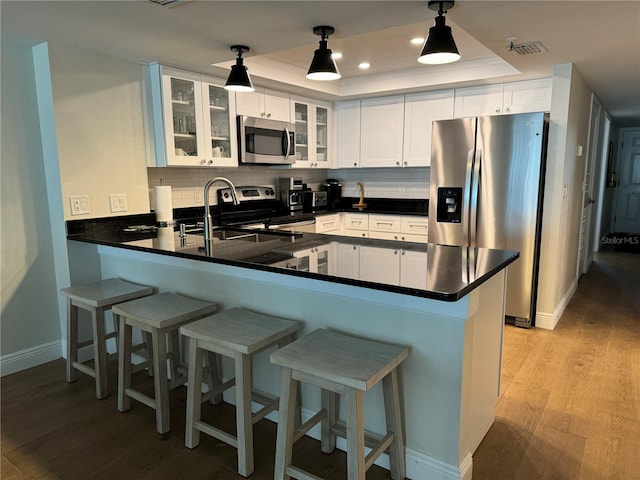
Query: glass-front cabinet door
220, 127
199, 121
322, 135
312, 123
301, 121
183, 119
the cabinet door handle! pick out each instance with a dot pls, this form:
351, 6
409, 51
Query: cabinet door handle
384, 223
268, 115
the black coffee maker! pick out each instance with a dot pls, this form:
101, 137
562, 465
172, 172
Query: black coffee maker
333, 188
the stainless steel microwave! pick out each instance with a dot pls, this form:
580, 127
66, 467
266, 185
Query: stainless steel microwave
266, 141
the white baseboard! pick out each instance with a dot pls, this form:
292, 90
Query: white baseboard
30, 357
419, 466
549, 321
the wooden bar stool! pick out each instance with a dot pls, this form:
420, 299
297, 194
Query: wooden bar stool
97, 298
239, 334
159, 315
340, 364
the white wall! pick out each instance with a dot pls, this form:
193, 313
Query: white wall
29, 323
99, 119
569, 127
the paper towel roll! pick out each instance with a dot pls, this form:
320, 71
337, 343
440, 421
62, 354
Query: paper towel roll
164, 204
166, 238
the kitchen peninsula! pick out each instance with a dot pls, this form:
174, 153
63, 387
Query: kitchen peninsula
446, 303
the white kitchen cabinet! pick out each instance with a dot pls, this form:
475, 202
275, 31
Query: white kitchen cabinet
507, 98
328, 223
264, 103
312, 121
478, 101
420, 110
220, 128
348, 261
415, 228
190, 119
380, 265
352, 232
356, 221
381, 131
527, 96
413, 266
385, 223
317, 259
348, 134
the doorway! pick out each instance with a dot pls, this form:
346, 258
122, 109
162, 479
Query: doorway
627, 211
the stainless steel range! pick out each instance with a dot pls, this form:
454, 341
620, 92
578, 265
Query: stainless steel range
259, 207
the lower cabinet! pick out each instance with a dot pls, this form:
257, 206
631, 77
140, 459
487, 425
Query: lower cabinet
328, 223
374, 264
317, 259
404, 228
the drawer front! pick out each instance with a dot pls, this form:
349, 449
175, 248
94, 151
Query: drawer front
327, 223
415, 225
411, 237
385, 223
356, 221
384, 235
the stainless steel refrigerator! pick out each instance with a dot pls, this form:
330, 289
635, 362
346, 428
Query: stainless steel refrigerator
487, 183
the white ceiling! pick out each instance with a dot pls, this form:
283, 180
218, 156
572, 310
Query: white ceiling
602, 39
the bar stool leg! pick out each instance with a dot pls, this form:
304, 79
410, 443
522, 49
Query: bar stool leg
72, 341
213, 379
99, 352
328, 401
244, 417
124, 364
148, 341
394, 424
355, 435
194, 395
286, 415
160, 382
174, 358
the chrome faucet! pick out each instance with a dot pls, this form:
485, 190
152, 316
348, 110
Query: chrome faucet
208, 224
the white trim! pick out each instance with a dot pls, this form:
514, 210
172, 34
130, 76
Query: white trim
418, 465
30, 357
549, 321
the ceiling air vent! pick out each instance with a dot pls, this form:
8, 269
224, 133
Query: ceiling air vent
525, 48
169, 3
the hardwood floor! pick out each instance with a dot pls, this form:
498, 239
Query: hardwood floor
570, 403
569, 409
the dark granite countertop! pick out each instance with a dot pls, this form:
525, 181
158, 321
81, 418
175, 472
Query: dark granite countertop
387, 206
438, 272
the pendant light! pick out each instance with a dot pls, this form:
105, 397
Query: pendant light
439, 47
323, 66
239, 79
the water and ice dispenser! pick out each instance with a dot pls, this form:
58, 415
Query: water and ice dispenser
449, 205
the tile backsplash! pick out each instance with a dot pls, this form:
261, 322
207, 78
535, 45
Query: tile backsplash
187, 183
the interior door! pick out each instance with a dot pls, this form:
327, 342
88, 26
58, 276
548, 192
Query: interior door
586, 238
627, 217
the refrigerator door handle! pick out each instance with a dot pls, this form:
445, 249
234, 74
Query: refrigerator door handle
475, 193
466, 207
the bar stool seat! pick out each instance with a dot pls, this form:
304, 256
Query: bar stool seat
97, 298
239, 334
347, 365
158, 315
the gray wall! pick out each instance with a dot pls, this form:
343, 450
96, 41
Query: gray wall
29, 300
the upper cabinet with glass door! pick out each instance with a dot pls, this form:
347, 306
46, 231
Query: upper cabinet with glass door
312, 124
192, 119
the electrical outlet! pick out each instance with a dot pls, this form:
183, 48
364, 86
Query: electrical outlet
79, 204
118, 202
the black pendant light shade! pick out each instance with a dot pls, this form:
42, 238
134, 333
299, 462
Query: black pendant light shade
439, 46
323, 66
239, 79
